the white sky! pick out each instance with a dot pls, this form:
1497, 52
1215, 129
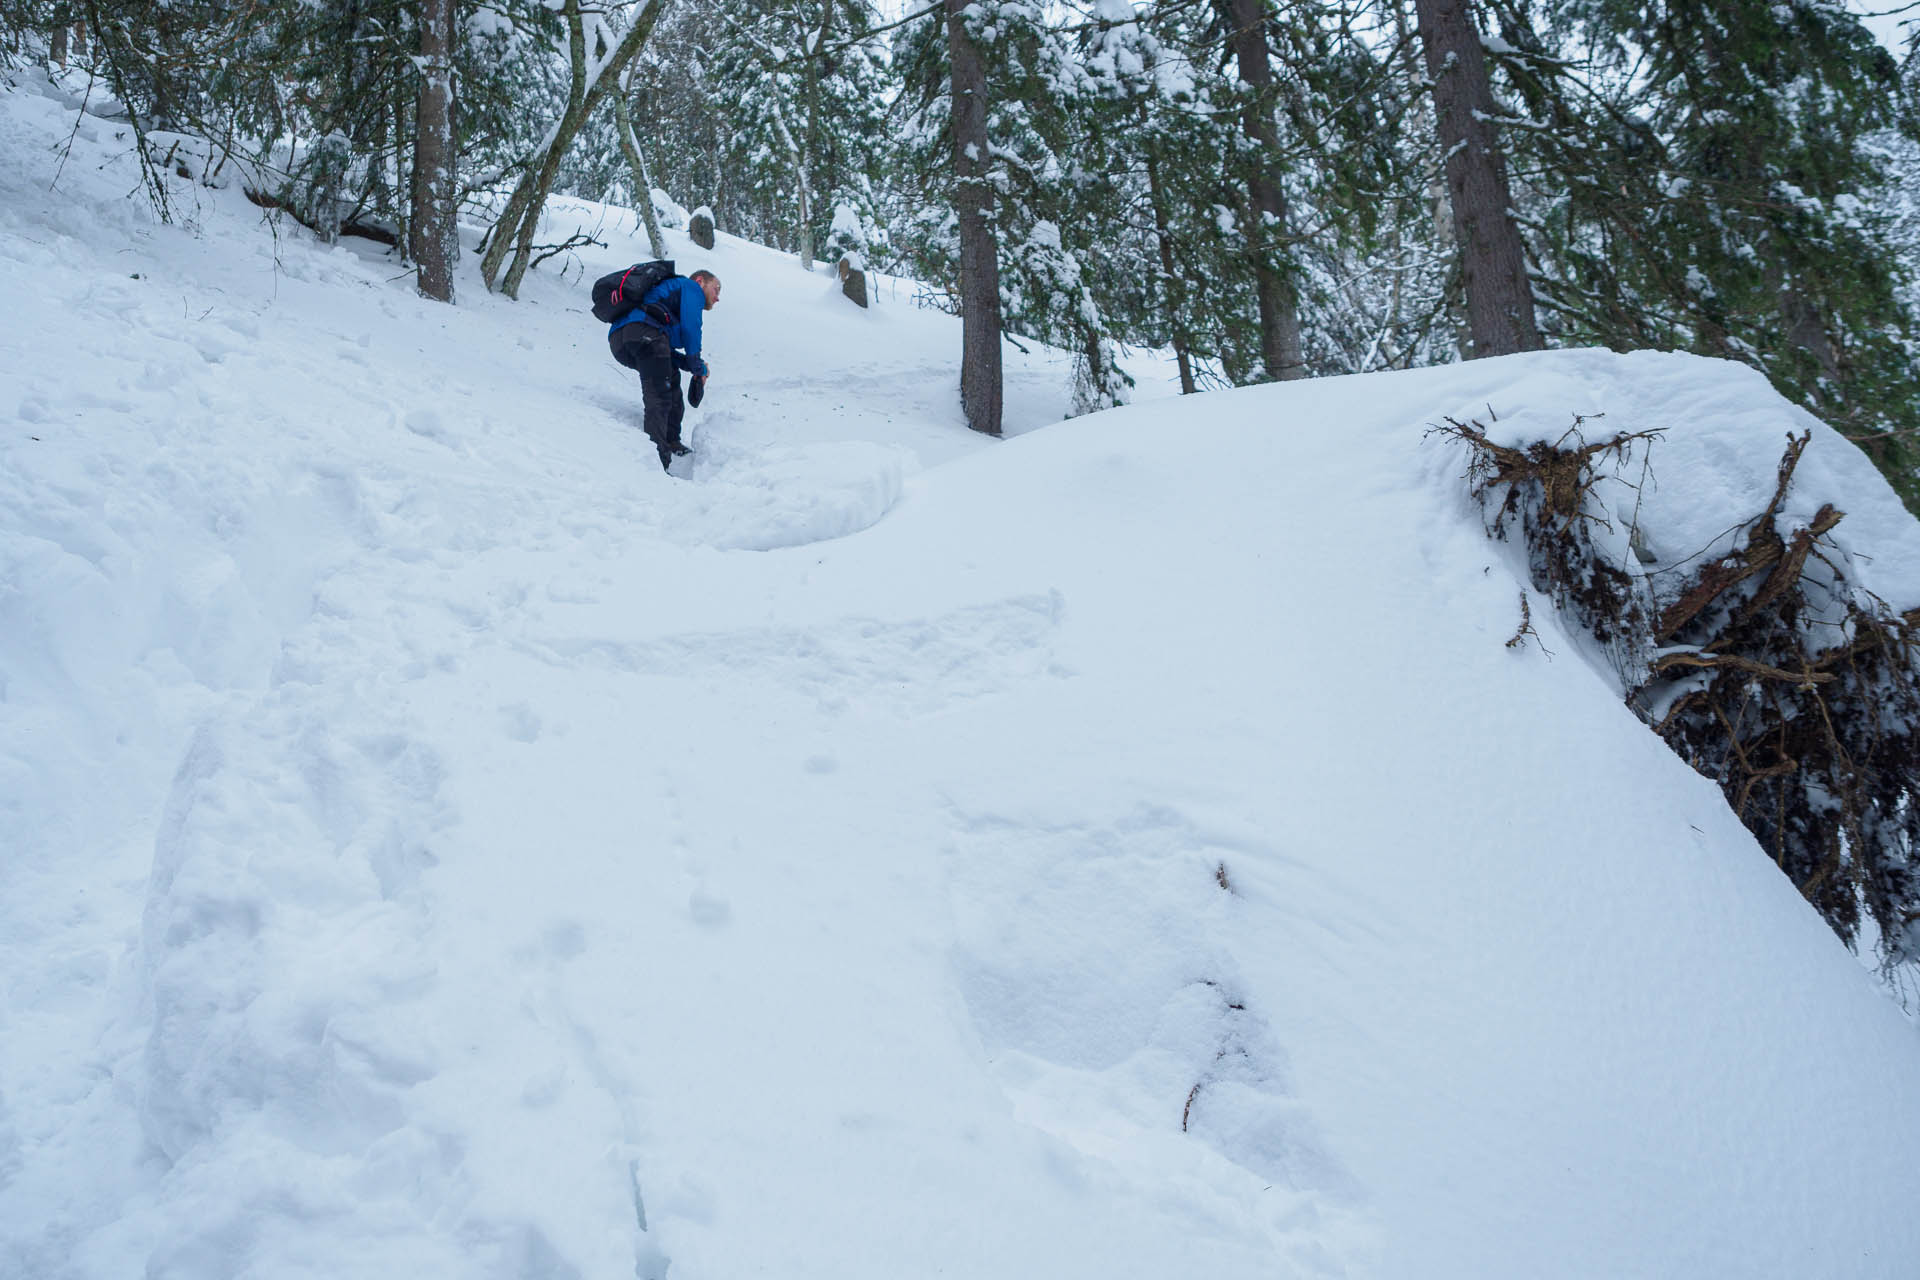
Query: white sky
1892, 28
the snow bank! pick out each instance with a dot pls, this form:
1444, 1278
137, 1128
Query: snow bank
1692, 491
438, 843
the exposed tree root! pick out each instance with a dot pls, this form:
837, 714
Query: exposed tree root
1671, 661
1543, 495
1764, 667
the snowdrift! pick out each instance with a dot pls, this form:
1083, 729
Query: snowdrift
438, 844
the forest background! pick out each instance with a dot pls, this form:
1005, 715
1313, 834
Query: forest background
1268, 190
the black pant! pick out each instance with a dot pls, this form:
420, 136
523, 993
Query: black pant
645, 350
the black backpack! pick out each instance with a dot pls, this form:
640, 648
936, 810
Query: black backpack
616, 294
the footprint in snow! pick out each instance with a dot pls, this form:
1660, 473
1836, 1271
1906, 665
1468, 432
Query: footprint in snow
708, 911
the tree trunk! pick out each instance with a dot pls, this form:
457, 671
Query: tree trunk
1279, 305
514, 230
637, 161
980, 389
1439, 208
435, 231
1173, 296
401, 170
1806, 327
803, 180
58, 46
113, 54
1493, 261
812, 139
570, 122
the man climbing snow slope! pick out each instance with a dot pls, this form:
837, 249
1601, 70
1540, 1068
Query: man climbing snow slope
659, 338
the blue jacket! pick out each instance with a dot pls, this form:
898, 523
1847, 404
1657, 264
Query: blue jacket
684, 333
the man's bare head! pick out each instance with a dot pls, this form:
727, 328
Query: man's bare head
709, 284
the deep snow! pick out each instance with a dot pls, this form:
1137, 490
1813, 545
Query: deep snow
433, 842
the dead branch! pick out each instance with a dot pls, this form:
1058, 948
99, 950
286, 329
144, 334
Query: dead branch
578, 240
1903, 630
1526, 629
1763, 549
1796, 445
1787, 573
1734, 662
1815, 748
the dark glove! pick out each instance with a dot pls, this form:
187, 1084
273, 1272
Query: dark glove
696, 391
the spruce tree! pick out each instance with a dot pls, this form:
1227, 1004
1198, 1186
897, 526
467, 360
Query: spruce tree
801, 87
1703, 175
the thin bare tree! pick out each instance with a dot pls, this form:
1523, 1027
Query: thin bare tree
596, 61
637, 161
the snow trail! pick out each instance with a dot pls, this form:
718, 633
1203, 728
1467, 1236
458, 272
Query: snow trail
441, 844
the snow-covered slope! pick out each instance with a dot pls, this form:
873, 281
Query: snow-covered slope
435, 843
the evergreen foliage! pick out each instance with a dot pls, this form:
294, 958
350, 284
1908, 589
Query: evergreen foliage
1044, 117
803, 93
1722, 176
1701, 176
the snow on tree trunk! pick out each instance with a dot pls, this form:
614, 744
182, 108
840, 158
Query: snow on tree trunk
396, 108
590, 84
802, 179
980, 389
1280, 348
1492, 259
1439, 208
1171, 292
811, 85
570, 122
435, 231
637, 161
